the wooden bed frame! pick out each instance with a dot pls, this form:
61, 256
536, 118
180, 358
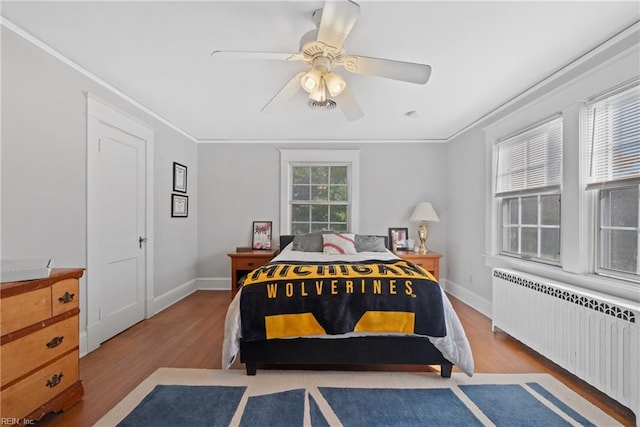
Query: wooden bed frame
387, 350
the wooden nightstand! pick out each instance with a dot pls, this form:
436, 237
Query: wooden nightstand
429, 261
243, 262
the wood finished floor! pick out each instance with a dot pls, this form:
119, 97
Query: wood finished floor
189, 334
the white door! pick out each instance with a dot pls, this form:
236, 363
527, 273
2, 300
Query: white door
121, 203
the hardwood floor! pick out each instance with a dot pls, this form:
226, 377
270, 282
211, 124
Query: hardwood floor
189, 334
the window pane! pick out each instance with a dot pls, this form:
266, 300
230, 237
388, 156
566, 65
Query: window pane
300, 228
301, 192
301, 174
550, 209
510, 240
319, 226
320, 175
530, 242
300, 213
320, 213
623, 207
319, 193
530, 210
339, 175
339, 227
510, 211
550, 244
623, 250
338, 214
338, 193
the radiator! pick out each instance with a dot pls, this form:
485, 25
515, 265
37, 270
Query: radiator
594, 337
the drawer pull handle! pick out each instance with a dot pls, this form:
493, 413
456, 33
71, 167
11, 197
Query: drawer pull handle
66, 298
250, 264
55, 380
56, 341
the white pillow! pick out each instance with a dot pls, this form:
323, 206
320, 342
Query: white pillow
339, 243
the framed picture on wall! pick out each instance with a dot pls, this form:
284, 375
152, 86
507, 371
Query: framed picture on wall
179, 206
179, 178
261, 235
399, 236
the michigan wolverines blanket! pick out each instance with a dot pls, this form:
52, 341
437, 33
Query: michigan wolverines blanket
296, 299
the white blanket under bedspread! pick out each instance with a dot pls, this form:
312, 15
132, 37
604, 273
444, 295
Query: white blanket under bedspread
454, 346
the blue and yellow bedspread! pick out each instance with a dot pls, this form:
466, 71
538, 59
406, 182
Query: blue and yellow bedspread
295, 299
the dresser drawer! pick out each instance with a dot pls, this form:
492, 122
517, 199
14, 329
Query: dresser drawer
29, 394
64, 296
249, 263
21, 356
25, 309
428, 264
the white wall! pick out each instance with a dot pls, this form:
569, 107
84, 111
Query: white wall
471, 220
240, 183
44, 169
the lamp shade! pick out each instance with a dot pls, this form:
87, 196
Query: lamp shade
424, 212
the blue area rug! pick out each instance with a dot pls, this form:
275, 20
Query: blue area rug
325, 398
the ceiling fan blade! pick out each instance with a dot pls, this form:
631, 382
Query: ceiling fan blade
390, 69
285, 94
349, 105
241, 54
337, 21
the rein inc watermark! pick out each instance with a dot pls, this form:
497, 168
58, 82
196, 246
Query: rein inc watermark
17, 421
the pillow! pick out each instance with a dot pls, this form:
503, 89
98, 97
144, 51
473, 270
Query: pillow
309, 242
370, 243
339, 243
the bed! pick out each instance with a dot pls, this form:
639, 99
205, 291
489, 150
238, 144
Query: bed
444, 344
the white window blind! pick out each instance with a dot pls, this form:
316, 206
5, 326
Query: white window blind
531, 160
614, 138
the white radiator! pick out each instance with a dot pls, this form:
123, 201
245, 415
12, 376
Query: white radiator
593, 337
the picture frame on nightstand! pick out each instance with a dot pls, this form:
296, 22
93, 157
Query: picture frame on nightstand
261, 235
401, 237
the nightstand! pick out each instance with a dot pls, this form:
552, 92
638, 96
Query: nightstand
243, 262
429, 261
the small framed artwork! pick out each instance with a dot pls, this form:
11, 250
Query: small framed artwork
261, 235
179, 178
179, 206
399, 236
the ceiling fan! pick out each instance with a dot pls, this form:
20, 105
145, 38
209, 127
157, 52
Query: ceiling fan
321, 50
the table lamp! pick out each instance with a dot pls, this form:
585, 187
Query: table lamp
422, 213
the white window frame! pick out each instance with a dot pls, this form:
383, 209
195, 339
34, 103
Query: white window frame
289, 158
597, 185
509, 189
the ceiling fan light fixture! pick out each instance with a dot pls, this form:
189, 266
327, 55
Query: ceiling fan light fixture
335, 83
311, 80
318, 94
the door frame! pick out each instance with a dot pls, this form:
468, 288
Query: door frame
100, 112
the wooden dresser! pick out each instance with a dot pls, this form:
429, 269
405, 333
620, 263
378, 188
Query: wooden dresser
39, 346
243, 262
429, 261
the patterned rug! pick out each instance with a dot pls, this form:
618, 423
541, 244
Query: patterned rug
201, 397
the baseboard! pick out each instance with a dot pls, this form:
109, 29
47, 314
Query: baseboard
167, 299
84, 345
213, 283
466, 296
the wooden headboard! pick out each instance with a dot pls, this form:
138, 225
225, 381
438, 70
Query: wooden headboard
288, 238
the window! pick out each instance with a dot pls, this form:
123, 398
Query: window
613, 144
320, 198
319, 190
528, 180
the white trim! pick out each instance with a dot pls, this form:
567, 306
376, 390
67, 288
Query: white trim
51, 51
171, 297
472, 299
319, 156
101, 112
318, 141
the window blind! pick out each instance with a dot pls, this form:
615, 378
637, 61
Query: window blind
614, 138
531, 160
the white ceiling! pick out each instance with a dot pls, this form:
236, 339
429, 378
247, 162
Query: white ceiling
482, 54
